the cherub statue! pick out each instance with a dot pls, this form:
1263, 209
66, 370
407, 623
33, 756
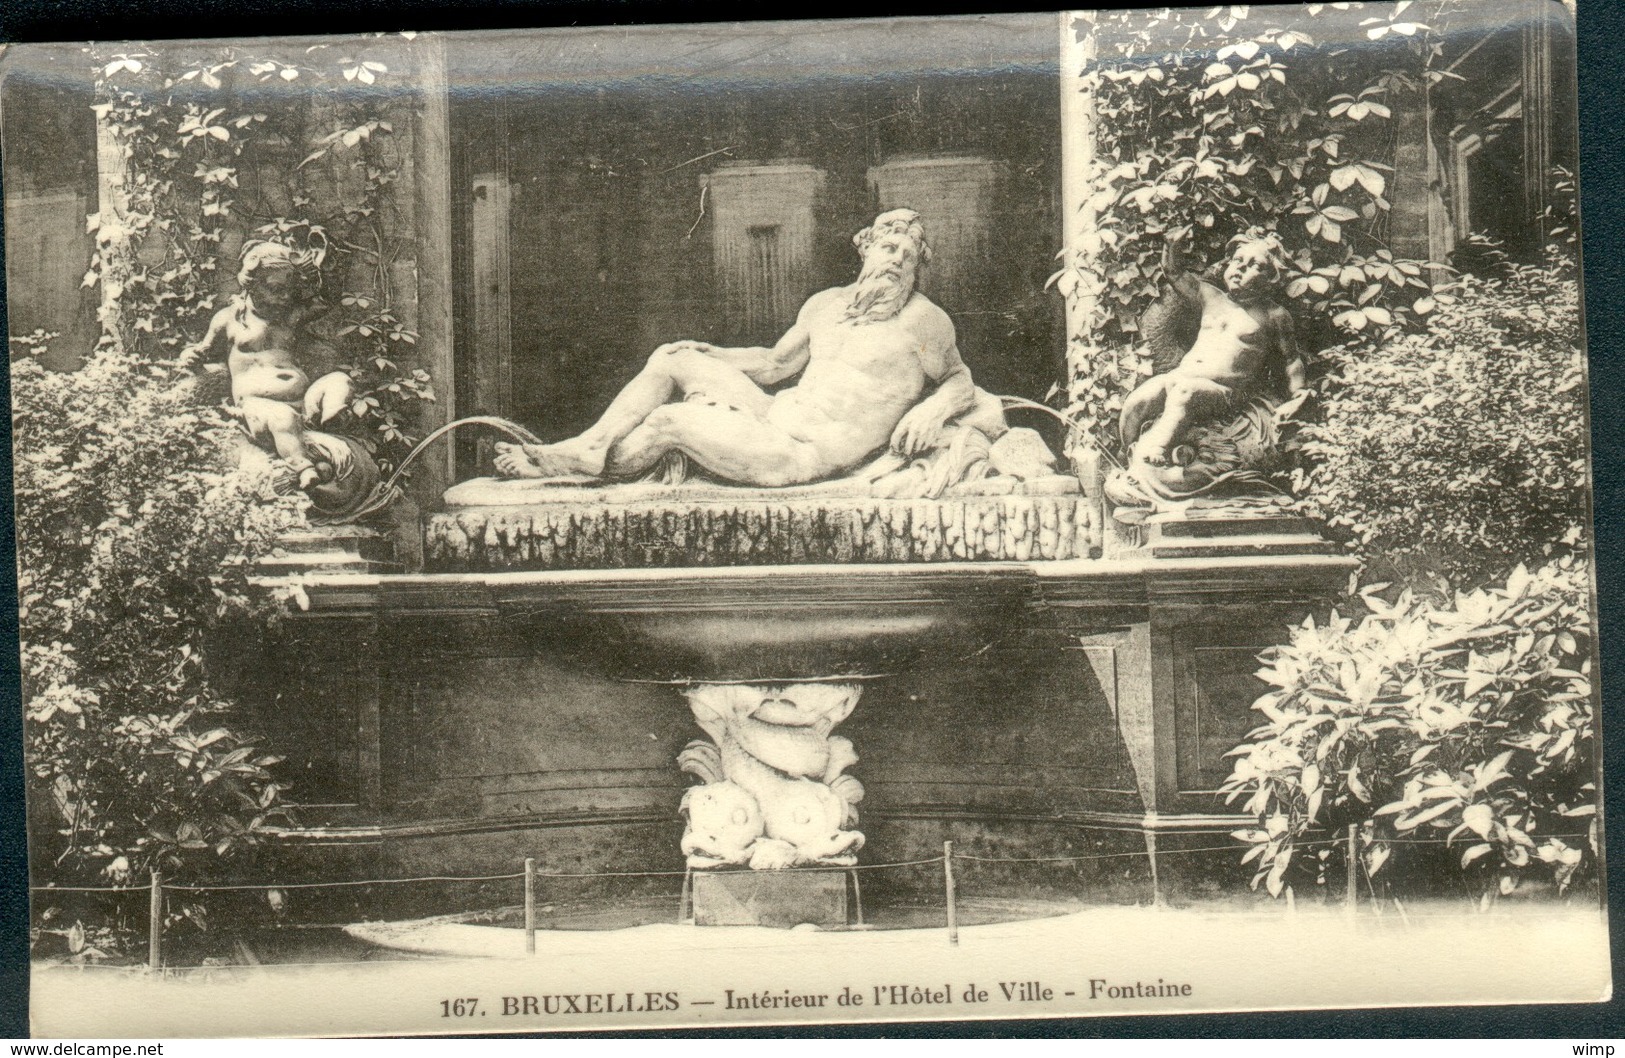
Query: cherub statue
1225, 357
262, 335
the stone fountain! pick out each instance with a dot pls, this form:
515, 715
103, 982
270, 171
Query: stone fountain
769, 610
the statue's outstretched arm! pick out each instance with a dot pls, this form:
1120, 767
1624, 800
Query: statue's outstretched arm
768, 365
787, 357
210, 347
1175, 267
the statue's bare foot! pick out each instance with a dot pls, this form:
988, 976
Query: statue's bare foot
543, 461
511, 462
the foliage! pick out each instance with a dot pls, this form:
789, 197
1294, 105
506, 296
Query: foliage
133, 544
1464, 731
1461, 449
1233, 120
212, 157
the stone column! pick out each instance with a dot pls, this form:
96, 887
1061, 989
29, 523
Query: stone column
1080, 242
116, 243
1535, 104
1077, 156
431, 193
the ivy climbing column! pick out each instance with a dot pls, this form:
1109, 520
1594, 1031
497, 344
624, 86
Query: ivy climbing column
1081, 243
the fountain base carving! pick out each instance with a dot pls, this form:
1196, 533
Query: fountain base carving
774, 791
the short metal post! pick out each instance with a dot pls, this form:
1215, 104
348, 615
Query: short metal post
530, 906
948, 884
155, 923
1156, 877
1351, 890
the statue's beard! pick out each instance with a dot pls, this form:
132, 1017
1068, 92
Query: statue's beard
877, 296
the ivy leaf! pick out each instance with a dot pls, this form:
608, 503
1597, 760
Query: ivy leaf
1373, 181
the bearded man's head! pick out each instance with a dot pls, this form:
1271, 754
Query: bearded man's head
893, 249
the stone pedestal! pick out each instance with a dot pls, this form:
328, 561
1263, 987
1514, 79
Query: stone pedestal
770, 898
1233, 534
492, 525
1177, 643
775, 792
332, 549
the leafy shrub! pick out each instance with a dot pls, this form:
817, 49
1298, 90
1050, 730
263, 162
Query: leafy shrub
1461, 449
1463, 732
133, 543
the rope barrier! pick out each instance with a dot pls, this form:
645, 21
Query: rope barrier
87, 888
343, 884
609, 874
1356, 869
355, 883
1094, 856
899, 863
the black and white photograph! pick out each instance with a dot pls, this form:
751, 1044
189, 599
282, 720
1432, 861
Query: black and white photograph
950, 518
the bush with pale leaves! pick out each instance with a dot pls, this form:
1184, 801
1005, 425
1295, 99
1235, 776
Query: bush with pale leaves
134, 541
1461, 734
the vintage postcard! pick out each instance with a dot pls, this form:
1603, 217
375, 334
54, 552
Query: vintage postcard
992, 517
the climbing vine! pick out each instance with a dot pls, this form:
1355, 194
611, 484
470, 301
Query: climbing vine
217, 145
1234, 120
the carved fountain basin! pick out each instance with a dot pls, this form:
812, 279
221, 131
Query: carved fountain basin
769, 659
788, 624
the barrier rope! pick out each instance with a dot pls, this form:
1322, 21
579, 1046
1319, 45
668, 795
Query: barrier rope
1092, 856
355, 882
1235, 846
158, 888
342, 884
87, 888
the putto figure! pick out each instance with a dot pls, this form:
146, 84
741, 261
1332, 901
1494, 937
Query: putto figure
262, 335
1245, 341
878, 364
1231, 371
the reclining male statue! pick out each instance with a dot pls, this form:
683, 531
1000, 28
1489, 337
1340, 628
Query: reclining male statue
879, 367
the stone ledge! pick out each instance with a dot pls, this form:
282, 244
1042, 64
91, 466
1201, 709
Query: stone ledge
331, 549
747, 527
